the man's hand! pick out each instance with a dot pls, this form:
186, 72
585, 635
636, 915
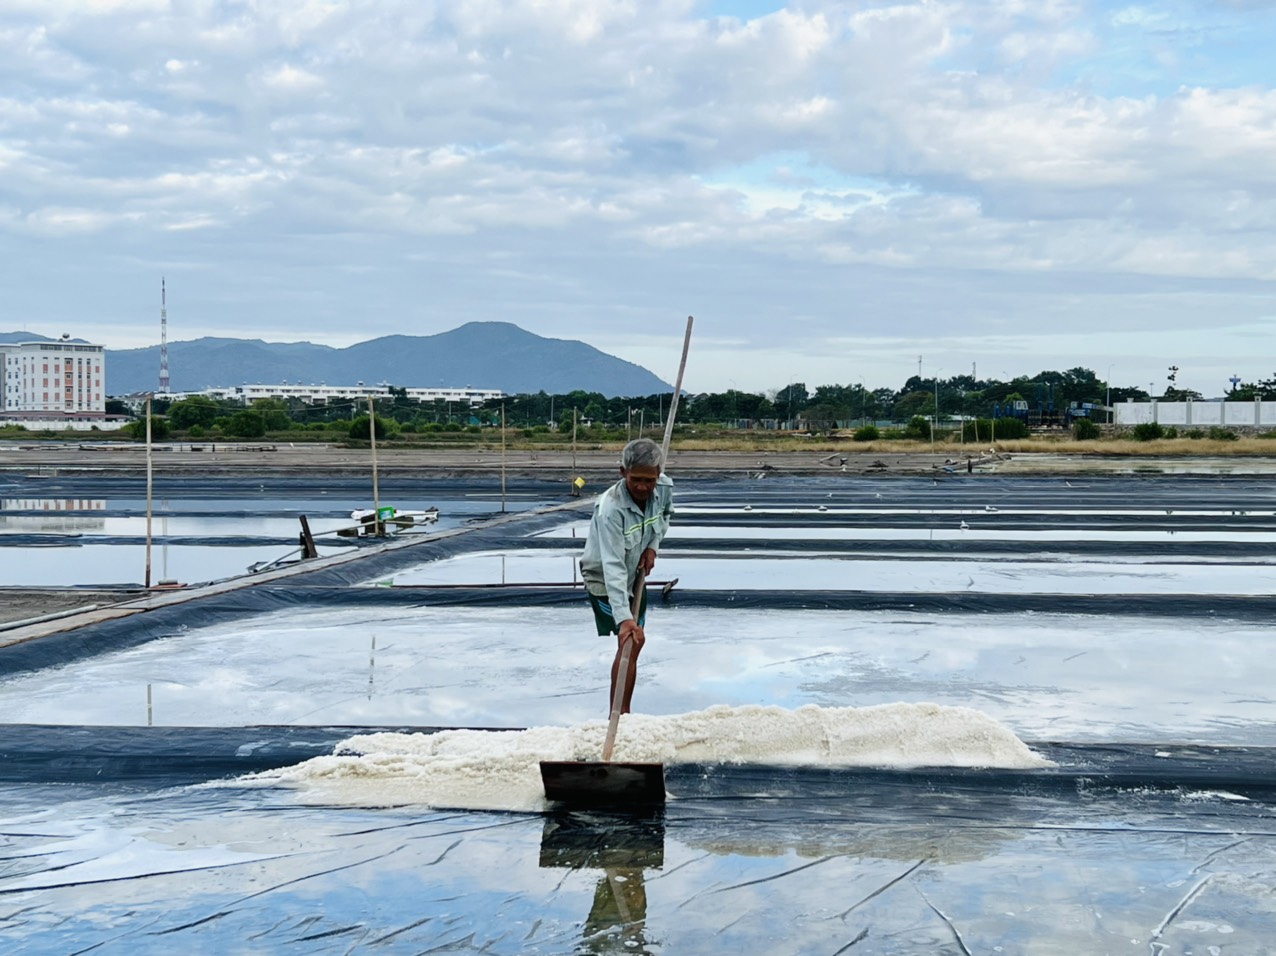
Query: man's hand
630, 631
647, 560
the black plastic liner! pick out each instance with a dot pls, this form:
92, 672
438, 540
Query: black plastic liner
988, 521
756, 547
41, 753
203, 541
136, 629
510, 531
332, 585
1063, 491
241, 484
957, 547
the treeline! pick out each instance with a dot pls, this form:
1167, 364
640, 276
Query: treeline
793, 406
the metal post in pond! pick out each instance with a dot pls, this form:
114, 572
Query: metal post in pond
149, 490
376, 495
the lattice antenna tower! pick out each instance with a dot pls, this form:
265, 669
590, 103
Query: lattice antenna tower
163, 382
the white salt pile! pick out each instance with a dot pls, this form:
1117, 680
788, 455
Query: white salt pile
500, 770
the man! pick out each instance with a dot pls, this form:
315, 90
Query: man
630, 520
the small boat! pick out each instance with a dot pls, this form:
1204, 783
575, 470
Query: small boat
391, 519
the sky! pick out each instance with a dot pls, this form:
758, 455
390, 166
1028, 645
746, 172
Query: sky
838, 192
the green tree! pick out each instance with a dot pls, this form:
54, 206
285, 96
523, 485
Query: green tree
1085, 430
248, 423
360, 428
825, 416
137, 429
1009, 429
791, 399
913, 404
192, 411
918, 428
274, 414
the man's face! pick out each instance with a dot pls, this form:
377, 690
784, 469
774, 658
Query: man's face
640, 482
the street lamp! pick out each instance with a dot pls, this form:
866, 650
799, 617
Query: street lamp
934, 426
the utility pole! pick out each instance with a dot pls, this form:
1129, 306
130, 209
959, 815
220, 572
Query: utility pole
163, 375
149, 489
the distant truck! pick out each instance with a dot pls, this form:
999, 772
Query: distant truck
1044, 414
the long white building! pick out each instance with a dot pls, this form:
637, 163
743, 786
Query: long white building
59, 380
311, 394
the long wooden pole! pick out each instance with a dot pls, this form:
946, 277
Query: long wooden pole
502, 458
622, 671
640, 583
677, 390
149, 489
376, 495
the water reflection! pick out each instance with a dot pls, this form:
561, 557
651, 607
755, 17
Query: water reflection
621, 847
52, 504
52, 515
108, 865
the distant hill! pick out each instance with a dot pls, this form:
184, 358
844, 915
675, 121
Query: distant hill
9, 338
478, 354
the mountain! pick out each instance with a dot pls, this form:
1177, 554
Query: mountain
479, 354
9, 338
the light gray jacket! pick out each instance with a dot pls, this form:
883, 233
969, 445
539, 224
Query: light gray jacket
618, 534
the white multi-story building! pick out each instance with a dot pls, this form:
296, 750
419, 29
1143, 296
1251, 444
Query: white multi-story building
62, 379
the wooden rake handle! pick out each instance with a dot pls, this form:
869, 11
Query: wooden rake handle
622, 671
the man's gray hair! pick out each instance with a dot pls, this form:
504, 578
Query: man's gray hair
642, 453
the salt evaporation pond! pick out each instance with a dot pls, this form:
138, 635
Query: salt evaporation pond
1065, 749
64, 532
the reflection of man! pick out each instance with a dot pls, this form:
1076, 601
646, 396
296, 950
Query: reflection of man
617, 921
630, 520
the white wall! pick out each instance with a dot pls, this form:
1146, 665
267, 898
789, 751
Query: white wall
1197, 414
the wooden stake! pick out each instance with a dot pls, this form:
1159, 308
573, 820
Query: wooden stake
308, 549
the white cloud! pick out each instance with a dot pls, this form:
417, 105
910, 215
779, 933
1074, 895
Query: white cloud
575, 165
290, 79
55, 221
